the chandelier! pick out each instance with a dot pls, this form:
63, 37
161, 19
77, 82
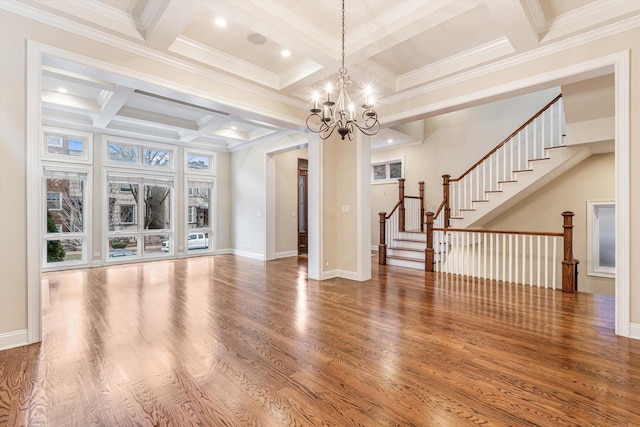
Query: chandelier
341, 114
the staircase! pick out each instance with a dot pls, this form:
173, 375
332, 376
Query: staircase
528, 159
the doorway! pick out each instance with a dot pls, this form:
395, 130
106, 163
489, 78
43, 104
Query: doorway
303, 206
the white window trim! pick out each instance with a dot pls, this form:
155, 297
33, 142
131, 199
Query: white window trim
87, 153
387, 162
141, 145
153, 176
592, 240
85, 235
212, 161
189, 179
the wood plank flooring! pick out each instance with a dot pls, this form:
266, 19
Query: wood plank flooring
227, 341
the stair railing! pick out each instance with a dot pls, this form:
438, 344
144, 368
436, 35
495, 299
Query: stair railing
406, 215
509, 256
527, 144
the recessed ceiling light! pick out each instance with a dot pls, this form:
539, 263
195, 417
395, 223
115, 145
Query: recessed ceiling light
220, 22
234, 128
62, 89
390, 141
256, 38
285, 53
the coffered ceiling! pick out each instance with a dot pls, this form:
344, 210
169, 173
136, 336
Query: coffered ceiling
395, 46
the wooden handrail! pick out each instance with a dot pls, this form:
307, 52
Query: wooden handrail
442, 204
520, 233
397, 205
514, 133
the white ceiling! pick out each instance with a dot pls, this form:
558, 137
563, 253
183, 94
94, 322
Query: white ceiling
396, 46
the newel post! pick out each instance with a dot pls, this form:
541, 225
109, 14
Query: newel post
382, 247
401, 207
569, 264
421, 194
445, 197
428, 252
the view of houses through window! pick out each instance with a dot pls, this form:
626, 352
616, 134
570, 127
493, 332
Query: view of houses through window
138, 197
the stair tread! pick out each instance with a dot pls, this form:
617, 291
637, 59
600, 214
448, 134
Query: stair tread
523, 170
479, 201
494, 191
467, 210
557, 146
408, 240
505, 181
399, 248
537, 160
404, 258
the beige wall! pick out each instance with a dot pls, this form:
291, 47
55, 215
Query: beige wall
223, 202
452, 143
593, 179
287, 200
15, 31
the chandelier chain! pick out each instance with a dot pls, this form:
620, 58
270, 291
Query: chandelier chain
343, 37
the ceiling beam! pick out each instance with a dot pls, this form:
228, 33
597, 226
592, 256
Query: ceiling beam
516, 23
111, 106
165, 20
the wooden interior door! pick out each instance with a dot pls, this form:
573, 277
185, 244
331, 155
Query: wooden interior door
303, 208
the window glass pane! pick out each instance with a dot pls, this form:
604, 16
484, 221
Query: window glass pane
157, 203
198, 207
154, 244
156, 158
123, 202
65, 146
65, 203
198, 241
64, 250
395, 170
606, 235
379, 172
120, 247
198, 162
123, 153
303, 164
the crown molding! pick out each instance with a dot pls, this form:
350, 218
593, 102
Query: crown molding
469, 58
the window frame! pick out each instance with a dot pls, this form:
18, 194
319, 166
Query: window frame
209, 230
211, 170
387, 163
86, 137
83, 236
593, 247
140, 163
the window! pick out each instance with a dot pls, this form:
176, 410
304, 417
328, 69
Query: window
601, 243
387, 171
67, 145
132, 153
139, 215
199, 162
54, 201
198, 207
65, 219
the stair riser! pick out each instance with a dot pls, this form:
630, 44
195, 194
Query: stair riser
419, 256
409, 245
403, 263
412, 236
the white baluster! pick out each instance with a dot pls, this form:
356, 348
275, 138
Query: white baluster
530, 260
510, 257
524, 259
555, 262
504, 257
516, 263
539, 260
546, 261
490, 256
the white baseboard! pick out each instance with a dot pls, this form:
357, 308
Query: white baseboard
634, 330
247, 254
345, 274
329, 274
13, 339
223, 251
374, 248
286, 254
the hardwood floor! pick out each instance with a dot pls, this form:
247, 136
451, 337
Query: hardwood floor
227, 341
